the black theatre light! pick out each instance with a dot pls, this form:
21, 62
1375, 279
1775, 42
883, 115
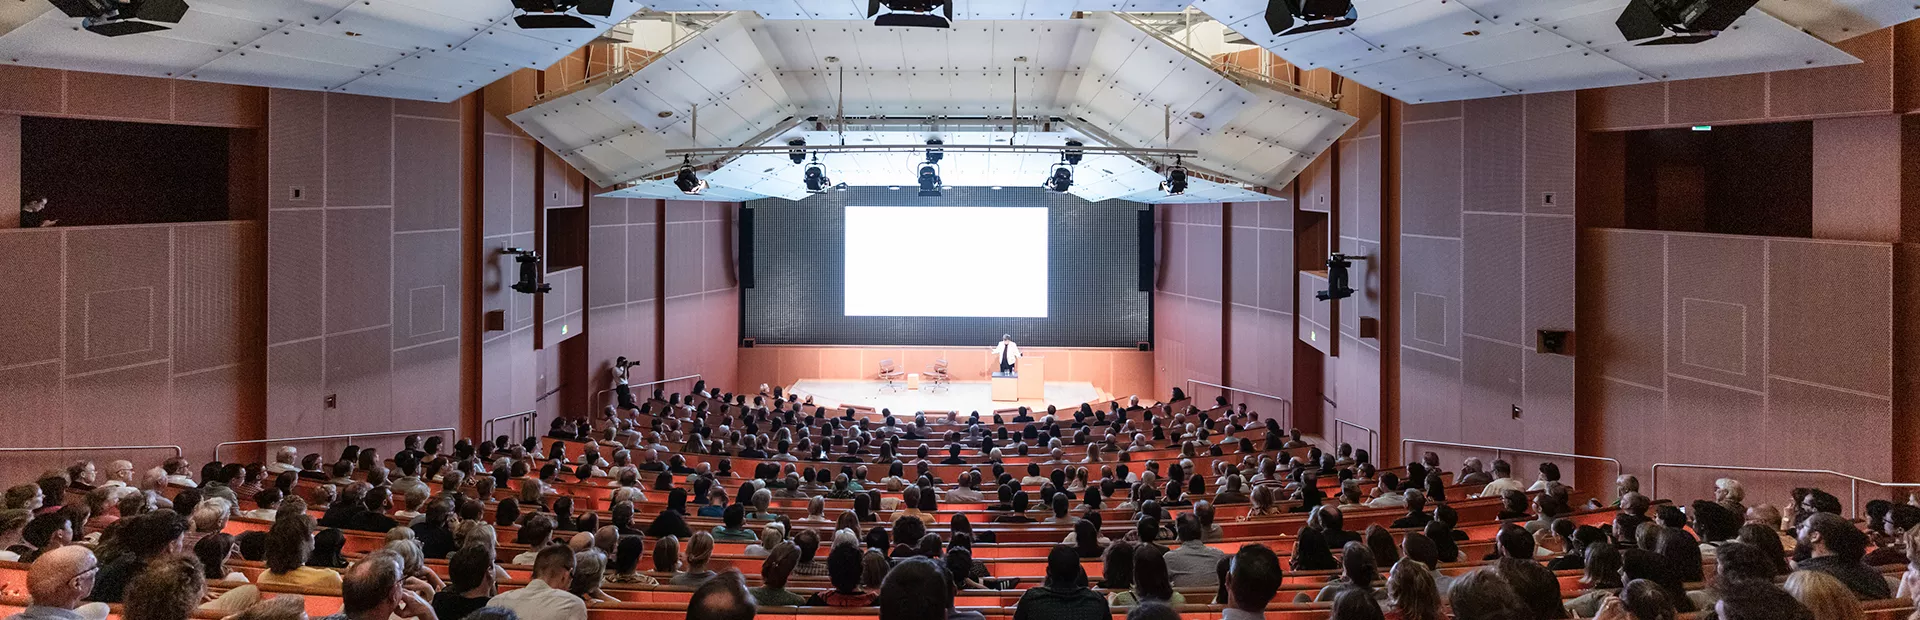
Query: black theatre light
1313, 15
115, 18
1176, 183
799, 153
543, 14
1061, 179
911, 13
929, 179
687, 181
816, 178
1073, 155
934, 152
1687, 21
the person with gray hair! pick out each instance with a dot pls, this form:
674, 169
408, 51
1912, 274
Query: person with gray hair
1472, 473
59, 582
283, 461
372, 590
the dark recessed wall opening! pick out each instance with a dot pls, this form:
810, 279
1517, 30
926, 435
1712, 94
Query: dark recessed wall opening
1731, 179
107, 172
566, 238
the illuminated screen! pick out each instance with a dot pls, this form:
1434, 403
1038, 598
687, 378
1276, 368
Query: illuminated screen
946, 261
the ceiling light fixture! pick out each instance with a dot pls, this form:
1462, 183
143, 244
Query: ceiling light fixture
816, 178
545, 14
1315, 15
1061, 179
689, 183
929, 179
911, 13
1176, 183
116, 18
1687, 21
798, 154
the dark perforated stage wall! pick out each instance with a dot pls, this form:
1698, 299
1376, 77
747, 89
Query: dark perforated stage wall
1092, 274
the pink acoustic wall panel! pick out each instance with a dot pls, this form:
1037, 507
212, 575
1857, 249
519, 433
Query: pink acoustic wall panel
642, 244
426, 382
1414, 113
359, 263
1174, 259
217, 318
607, 262
524, 155
1494, 136
359, 153
1430, 183
1366, 197
497, 176
1717, 99
1715, 301
1630, 343
214, 405
118, 297
1491, 386
29, 90
93, 398
119, 96
1861, 88
1623, 107
602, 211
426, 287
1812, 339
1550, 136
1430, 295
29, 397
359, 368
1490, 269
296, 260
1845, 427
1549, 261
31, 297
1274, 271
1547, 419
1430, 396
717, 256
426, 173
684, 264
1203, 256
9, 167
1857, 178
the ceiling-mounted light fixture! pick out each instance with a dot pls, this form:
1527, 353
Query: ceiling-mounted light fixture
1317, 15
689, 183
911, 13
1061, 179
799, 153
1073, 156
115, 18
1688, 21
544, 14
1176, 183
816, 178
929, 179
934, 153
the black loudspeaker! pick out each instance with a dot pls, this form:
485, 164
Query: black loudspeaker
745, 263
1144, 218
746, 343
1554, 342
1144, 345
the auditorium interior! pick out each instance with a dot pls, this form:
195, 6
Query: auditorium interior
1657, 260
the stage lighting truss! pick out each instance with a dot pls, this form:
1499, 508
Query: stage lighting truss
1176, 183
911, 13
543, 14
689, 183
1313, 16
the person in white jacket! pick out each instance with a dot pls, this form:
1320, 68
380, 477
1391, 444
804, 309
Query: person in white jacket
1007, 352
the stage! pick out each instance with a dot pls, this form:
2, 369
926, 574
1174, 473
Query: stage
961, 396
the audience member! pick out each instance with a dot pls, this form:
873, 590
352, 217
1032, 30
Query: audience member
1064, 594
546, 597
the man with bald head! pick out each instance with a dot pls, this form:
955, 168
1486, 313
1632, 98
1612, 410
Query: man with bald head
373, 590
724, 597
119, 474
58, 581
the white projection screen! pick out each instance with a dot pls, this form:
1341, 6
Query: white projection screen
946, 261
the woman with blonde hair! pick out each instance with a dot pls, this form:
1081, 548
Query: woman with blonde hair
1262, 499
699, 551
481, 533
1413, 592
1825, 595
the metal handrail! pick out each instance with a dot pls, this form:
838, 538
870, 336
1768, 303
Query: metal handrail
1286, 405
1853, 482
1373, 436
1232, 72
600, 396
177, 452
347, 436
525, 427
1406, 449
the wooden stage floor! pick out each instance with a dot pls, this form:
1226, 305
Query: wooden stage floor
961, 396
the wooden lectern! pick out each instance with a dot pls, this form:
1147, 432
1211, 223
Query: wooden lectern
1029, 383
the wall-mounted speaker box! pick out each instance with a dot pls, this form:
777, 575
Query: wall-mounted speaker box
745, 262
1144, 346
746, 343
1369, 327
1556, 342
495, 320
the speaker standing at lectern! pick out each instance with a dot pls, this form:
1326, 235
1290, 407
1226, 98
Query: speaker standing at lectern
1008, 353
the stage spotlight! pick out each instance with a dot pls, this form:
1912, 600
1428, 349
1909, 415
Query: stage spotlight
1688, 21
935, 154
687, 181
529, 262
799, 154
543, 14
1062, 178
1337, 278
816, 179
1073, 156
1176, 183
911, 13
1316, 15
115, 18
929, 179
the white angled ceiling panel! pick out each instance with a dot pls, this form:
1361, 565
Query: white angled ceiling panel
1443, 50
435, 50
